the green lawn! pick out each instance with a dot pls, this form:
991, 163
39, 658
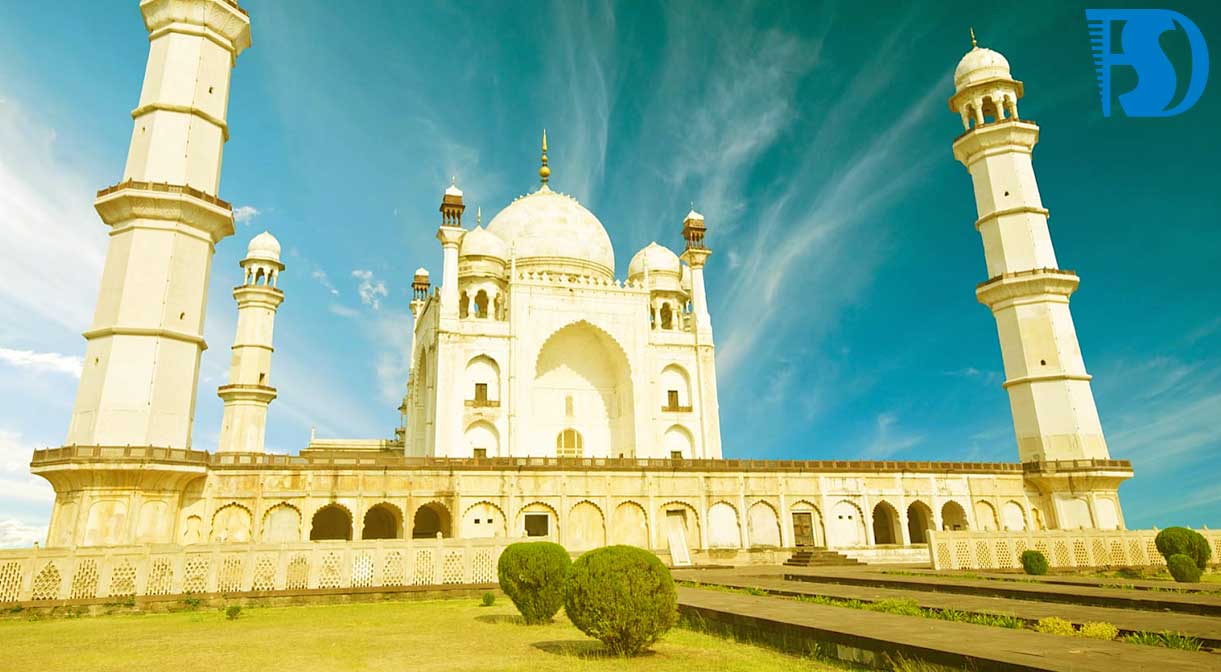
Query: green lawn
400, 636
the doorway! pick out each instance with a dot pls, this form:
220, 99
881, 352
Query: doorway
803, 528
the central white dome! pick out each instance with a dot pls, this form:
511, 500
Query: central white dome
550, 231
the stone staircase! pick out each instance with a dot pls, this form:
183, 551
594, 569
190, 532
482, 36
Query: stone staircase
819, 557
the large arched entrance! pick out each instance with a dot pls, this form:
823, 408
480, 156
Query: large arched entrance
583, 383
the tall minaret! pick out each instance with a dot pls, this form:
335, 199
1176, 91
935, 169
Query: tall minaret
696, 255
249, 390
450, 233
1049, 391
142, 351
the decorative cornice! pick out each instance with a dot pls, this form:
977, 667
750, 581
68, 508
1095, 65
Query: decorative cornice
171, 334
1046, 377
221, 21
184, 109
1021, 209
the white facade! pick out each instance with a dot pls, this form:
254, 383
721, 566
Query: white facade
543, 353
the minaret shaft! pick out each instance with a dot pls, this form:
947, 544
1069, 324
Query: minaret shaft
1054, 415
142, 351
249, 391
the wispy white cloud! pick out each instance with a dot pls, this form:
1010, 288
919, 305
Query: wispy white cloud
320, 275
45, 210
244, 214
52, 362
371, 290
889, 439
16, 534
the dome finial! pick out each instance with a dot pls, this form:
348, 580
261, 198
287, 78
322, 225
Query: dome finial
479, 216
973, 44
544, 172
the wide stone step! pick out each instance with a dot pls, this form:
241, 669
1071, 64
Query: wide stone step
869, 637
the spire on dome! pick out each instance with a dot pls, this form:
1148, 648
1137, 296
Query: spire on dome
973, 44
544, 172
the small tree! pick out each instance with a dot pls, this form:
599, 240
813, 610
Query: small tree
535, 577
623, 596
232, 612
1034, 563
1183, 568
1183, 541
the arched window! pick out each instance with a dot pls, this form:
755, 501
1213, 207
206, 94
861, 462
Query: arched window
481, 304
568, 443
463, 305
667, 316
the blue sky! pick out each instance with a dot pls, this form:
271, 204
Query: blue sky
815, 138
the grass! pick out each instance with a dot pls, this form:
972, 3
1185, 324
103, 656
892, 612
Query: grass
369, 637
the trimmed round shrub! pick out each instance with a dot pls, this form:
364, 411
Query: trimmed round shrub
489, 599
623, 596
1183, 568
1034, 562
1183, 541
535, 576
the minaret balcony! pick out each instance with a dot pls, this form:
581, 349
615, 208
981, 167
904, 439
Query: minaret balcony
1005, 134
129, 201
243, 392
1030, 283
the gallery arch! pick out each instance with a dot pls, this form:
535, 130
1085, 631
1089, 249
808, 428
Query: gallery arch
382, 521
919, 522
282, 524
483, 381
585, 529
763, 527
847, 525
985, 516
807, 525
630, 525
231, 524
1013, 516
483, 520
886, 524
430, 520
331, 522
953, 517
723, 529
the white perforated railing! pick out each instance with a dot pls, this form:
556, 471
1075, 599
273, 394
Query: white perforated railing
963, 549
134, 571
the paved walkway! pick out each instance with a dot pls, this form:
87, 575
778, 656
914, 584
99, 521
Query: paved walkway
1205, 628
941, 642
1206, 604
